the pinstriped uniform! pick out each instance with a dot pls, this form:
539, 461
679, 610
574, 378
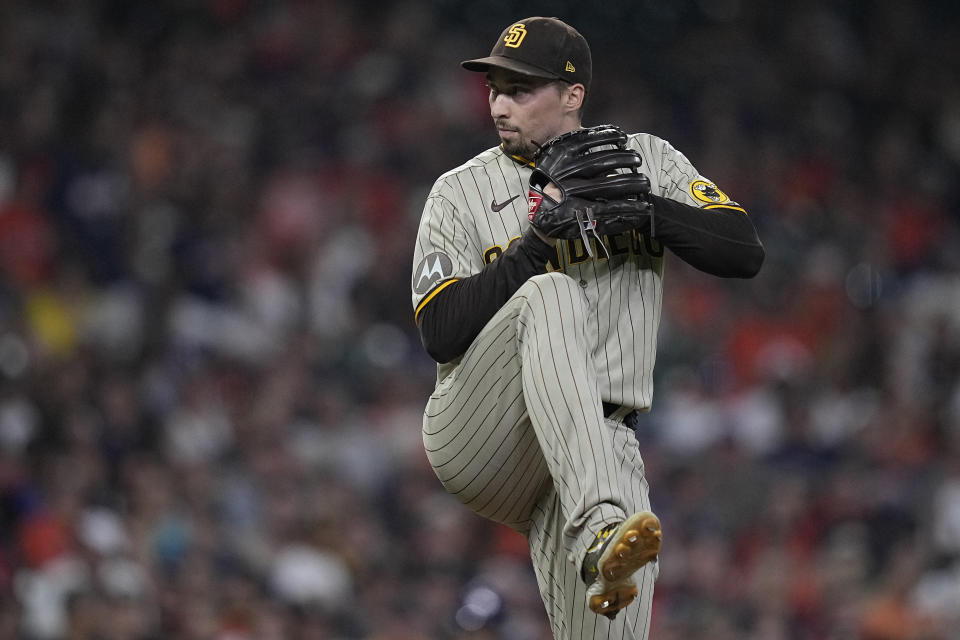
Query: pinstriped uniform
515, 427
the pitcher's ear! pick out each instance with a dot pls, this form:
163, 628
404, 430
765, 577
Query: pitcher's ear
574, 96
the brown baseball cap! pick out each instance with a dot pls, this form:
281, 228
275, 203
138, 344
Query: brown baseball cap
540, 47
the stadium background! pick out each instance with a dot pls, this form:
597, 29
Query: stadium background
210, 380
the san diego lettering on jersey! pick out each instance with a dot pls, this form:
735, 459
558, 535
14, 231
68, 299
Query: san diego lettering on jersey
573, 252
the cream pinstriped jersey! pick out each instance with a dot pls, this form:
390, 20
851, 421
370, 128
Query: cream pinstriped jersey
474, 211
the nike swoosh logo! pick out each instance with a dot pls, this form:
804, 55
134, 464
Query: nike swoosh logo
495, 206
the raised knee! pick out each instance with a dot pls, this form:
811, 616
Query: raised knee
555, 287
554, 281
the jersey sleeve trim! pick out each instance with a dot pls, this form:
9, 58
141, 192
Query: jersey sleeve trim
430, 296
728, 205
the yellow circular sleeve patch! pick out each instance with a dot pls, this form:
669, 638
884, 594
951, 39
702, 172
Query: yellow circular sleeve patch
707, 192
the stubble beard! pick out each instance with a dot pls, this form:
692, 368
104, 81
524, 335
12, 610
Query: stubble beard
523, 148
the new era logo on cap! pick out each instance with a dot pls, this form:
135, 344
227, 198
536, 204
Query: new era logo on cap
540, 47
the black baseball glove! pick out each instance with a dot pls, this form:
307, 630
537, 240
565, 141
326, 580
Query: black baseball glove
602, 189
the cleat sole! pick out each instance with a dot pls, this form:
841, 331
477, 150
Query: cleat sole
637, 542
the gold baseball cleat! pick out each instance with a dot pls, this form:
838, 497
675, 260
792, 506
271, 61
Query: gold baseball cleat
617, 553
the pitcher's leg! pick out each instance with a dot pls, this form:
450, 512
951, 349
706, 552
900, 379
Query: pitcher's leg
523, 409
565, 409
476, 431
561, 585
520, 419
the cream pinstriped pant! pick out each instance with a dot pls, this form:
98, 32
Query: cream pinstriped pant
516, 432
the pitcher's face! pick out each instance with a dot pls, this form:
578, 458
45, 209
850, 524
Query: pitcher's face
527, 111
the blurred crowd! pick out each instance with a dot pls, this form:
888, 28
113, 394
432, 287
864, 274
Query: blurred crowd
211, 383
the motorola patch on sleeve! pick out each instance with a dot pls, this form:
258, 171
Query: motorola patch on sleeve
434, 268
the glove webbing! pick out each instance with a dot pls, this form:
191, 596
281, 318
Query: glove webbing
590, 224
587, 223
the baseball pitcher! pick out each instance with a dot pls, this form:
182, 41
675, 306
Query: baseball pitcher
537, 287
